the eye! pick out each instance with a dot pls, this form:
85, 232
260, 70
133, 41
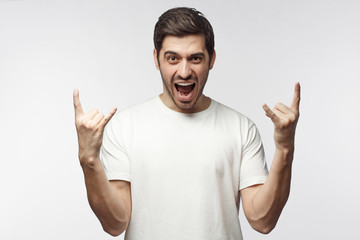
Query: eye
172, 59
196, 59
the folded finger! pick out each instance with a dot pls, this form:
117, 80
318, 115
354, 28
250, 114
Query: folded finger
97, 118
91, 114
282, 108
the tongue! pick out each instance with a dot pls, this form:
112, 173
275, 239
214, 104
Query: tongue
184, 89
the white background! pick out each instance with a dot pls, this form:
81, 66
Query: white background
104, 48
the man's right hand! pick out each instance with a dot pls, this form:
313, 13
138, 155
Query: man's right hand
110, 200
90, 128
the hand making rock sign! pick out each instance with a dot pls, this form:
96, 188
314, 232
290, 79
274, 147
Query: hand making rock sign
90, 127
285, 120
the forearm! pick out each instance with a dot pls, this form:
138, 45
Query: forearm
263, 204
111, 210
271, 198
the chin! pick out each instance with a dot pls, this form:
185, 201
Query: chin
186, 106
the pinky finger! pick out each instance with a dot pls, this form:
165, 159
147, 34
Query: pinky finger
107, 118
270, 113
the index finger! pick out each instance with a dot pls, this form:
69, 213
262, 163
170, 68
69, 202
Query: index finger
77, 104
296, 100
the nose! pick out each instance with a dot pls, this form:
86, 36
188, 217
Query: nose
184, 70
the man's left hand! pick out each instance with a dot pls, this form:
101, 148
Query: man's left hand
285, 119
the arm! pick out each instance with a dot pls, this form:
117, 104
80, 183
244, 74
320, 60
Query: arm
263, 203
110, 201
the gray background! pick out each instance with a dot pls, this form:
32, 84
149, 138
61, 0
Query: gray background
104, 48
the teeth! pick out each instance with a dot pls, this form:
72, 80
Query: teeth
184, 84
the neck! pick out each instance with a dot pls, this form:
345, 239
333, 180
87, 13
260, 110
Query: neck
201, 104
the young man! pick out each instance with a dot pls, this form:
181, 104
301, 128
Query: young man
174, 167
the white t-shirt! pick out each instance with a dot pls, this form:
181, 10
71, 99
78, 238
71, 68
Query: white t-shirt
185, 170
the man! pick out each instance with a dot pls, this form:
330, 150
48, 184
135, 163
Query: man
174, 167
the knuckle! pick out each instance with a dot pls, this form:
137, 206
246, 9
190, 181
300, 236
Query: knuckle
79, 123
291, 118
284, 124
100, 130
88, 125
294, 116
92, 112
272, 115
281, 127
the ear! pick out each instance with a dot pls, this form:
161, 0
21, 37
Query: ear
156, 59
212, 61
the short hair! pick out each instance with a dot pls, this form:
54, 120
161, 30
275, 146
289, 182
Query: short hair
183, 21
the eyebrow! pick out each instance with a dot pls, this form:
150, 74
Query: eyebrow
192, 55
201, 54
170, 52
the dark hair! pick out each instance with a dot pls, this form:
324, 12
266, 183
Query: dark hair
180, 22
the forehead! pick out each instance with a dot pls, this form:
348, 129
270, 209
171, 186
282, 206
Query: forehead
188, 44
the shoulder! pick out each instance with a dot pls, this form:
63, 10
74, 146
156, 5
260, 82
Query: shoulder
142, 108
232, 115
122, 123
124, 118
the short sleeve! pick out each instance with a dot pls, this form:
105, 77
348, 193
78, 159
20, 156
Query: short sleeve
253, 168
113, 153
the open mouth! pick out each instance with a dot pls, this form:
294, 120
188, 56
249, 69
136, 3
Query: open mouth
184, 90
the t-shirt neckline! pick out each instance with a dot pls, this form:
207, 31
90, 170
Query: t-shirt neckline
168, 110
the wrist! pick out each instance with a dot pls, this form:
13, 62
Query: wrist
285, 146
286, 154
287, 149
89, 161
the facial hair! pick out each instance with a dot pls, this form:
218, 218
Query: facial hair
168, 89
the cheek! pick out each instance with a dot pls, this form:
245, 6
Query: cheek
202, 73
167, 75
167, 69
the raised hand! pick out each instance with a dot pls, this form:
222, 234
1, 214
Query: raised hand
90, 128
285, 119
